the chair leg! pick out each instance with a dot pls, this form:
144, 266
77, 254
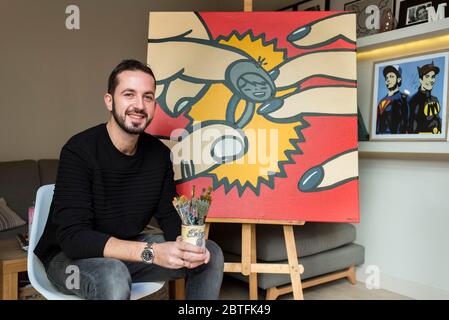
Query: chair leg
177, 289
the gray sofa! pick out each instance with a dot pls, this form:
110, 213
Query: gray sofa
19, 181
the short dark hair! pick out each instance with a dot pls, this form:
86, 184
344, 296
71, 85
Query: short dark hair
125, 65
397, 72
421, 7
425, 69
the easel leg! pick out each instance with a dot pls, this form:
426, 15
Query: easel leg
248, 254
253, 294
247, 5
292, 255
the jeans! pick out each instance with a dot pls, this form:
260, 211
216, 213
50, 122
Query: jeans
111, 279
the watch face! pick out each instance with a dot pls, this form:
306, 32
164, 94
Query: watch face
147, 256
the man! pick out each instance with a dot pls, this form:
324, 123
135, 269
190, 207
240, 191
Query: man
425, 108
421, 13
112, 179
392, 110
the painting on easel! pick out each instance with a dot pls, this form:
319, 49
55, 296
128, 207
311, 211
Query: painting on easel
263, 107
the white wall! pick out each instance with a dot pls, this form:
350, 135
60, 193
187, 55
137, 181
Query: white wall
404, 225
404, 212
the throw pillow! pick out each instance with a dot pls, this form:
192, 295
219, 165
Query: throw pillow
8, 218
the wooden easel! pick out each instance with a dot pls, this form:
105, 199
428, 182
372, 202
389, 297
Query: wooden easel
249, 266
247, 5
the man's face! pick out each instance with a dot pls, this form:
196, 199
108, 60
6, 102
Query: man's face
428, 80
133, 103
391, 80
422, 14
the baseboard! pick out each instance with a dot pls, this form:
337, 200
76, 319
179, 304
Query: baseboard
404, 287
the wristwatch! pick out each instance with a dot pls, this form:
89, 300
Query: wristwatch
148, 254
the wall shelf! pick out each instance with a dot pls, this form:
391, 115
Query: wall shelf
404, 35
434, 150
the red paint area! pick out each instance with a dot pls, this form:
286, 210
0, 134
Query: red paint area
275, 26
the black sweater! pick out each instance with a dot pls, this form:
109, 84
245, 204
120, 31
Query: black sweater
101, 192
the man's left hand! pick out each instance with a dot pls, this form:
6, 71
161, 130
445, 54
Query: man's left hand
192, 259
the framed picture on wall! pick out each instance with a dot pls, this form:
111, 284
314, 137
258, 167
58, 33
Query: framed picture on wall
373, 16
308, 5
412, 12
410, 98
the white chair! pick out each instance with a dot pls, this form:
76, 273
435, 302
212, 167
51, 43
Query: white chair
36, 270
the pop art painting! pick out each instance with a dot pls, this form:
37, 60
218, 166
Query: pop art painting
262, 107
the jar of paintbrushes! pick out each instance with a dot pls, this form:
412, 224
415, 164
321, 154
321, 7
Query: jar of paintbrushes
193, 214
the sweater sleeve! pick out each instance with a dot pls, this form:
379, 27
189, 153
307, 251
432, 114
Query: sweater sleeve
73, 213
166, 215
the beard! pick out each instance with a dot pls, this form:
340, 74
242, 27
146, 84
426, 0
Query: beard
131, 129
393, 87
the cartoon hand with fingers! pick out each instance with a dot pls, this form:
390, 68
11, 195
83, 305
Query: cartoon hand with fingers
324, 31
337, 64
207, 146
184, 80
331, 173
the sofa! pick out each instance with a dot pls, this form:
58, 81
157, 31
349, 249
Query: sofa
19, 181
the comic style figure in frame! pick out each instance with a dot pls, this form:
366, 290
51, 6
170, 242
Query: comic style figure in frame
392, 110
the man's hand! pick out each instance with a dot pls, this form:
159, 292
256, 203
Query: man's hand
178, 254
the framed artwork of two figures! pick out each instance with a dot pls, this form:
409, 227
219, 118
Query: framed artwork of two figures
410, 98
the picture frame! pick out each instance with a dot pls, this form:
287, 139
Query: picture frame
409, 100
367, 25
362, 133
308, 5
413, 12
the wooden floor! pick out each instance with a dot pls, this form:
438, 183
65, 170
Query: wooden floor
233, 289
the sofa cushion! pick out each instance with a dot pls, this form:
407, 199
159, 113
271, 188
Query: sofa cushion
8, 218
311, 238
48, 169
18, 185
314, 265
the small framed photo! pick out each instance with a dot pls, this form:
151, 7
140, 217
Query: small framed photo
308, 5
373, 16
410, 98
412, 12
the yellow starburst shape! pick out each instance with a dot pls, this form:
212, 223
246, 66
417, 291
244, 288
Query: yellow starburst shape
268, 142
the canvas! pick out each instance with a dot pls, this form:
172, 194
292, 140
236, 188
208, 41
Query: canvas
262, 106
